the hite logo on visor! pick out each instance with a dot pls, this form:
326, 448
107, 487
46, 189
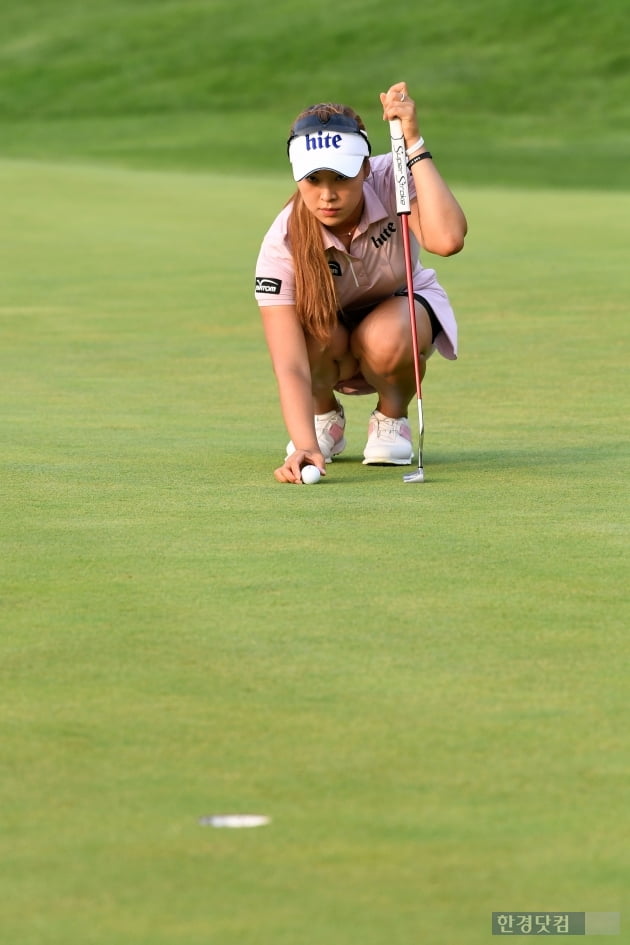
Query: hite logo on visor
313, 142
269, 286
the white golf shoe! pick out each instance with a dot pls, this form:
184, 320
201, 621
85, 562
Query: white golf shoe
389, 441
329, 428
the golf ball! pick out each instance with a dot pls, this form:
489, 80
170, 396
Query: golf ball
310, 475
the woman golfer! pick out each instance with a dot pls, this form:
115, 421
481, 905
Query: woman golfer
331, 284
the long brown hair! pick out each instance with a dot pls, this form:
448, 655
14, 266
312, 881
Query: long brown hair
315, 294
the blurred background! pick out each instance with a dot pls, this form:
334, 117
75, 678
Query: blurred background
524, 93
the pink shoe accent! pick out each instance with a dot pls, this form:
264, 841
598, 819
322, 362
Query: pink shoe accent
336, 431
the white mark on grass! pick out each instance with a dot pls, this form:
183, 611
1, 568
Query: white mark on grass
234, 820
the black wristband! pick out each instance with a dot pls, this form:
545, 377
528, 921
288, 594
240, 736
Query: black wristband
419, 157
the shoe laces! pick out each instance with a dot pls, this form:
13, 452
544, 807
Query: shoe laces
324, 420
388, 425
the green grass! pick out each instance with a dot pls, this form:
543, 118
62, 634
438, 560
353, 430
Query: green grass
424, 686
514, 93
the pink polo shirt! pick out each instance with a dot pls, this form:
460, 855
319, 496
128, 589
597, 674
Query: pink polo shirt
373, 269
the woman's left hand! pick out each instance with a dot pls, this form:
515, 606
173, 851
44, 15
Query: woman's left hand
397, 104
437, 220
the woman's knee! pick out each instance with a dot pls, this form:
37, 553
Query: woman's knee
331, 362
384, 338
336, 349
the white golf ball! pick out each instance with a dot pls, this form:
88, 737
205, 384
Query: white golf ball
310, 475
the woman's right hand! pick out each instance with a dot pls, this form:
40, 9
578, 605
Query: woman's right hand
291, 470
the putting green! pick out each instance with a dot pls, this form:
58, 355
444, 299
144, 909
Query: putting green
424, 687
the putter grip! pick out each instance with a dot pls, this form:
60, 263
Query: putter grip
399, 159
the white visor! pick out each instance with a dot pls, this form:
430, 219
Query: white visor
327, 151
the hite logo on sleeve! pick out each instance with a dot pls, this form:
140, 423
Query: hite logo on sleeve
268, 286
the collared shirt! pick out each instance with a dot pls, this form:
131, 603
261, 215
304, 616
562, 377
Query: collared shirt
372, 270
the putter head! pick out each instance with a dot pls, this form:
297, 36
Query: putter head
417, 476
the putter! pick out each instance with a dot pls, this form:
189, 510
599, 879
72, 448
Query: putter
403, 209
